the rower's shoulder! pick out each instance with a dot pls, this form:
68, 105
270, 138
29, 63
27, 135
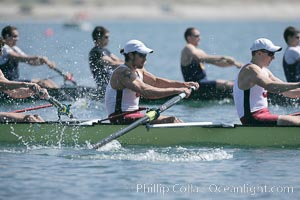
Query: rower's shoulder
252, 69
188, 47
192, 50
122, 72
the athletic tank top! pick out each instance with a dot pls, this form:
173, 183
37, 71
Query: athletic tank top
9, 66
193, 72
251, 100
291, 65
100, 69
118, 101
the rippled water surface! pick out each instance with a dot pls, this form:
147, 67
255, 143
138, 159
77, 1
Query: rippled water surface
137, 172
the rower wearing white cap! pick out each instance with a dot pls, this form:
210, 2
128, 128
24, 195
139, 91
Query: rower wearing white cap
131, 80
253, 82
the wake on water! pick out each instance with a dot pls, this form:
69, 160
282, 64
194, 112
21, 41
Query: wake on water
115, 151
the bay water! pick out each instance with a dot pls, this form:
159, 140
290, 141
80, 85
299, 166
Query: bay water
135, 172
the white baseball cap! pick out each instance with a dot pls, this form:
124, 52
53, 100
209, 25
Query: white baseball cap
136, 45
263, 43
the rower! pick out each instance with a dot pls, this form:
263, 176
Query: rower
291, 57
193, 60
17, 89
102, 62
254, 81
131, 80
12, 55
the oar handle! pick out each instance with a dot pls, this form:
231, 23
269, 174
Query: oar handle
54, 102
174, 100
62, 109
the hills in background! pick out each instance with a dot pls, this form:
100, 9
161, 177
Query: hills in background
144, 9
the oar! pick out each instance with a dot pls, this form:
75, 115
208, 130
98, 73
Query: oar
62, 109
65, 76
295, 114
150, 116
94, 121
32, 108
121, 114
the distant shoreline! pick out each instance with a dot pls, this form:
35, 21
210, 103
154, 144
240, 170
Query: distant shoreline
248, 11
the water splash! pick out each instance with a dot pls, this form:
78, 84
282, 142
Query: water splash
111, 146
170, 154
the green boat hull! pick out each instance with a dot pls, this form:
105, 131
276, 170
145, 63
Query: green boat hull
195, 134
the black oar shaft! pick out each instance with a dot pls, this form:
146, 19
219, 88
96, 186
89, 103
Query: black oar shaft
171, 102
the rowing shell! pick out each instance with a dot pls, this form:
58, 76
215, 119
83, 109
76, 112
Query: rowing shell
181, 134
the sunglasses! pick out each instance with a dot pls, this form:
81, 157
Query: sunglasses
196, 36
103, 37
271, 54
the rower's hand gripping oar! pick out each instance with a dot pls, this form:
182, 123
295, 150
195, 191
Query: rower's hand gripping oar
62, 109
150, 116
66, 76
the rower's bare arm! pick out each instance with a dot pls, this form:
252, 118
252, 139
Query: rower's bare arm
165, 83
31, 60
113, 60
150, 92
45, 60
238, 64
271, 84
294, 93
159, 82
11, 85
20, 93
221, 61
117, 60
133, 83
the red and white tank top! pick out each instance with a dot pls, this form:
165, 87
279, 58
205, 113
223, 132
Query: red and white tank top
121, 100
251, 100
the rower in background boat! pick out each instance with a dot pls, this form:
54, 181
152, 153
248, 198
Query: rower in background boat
17, 89
12, 55
254, 81
131, 80
20, 90
102, 62
291, 57
193, 60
